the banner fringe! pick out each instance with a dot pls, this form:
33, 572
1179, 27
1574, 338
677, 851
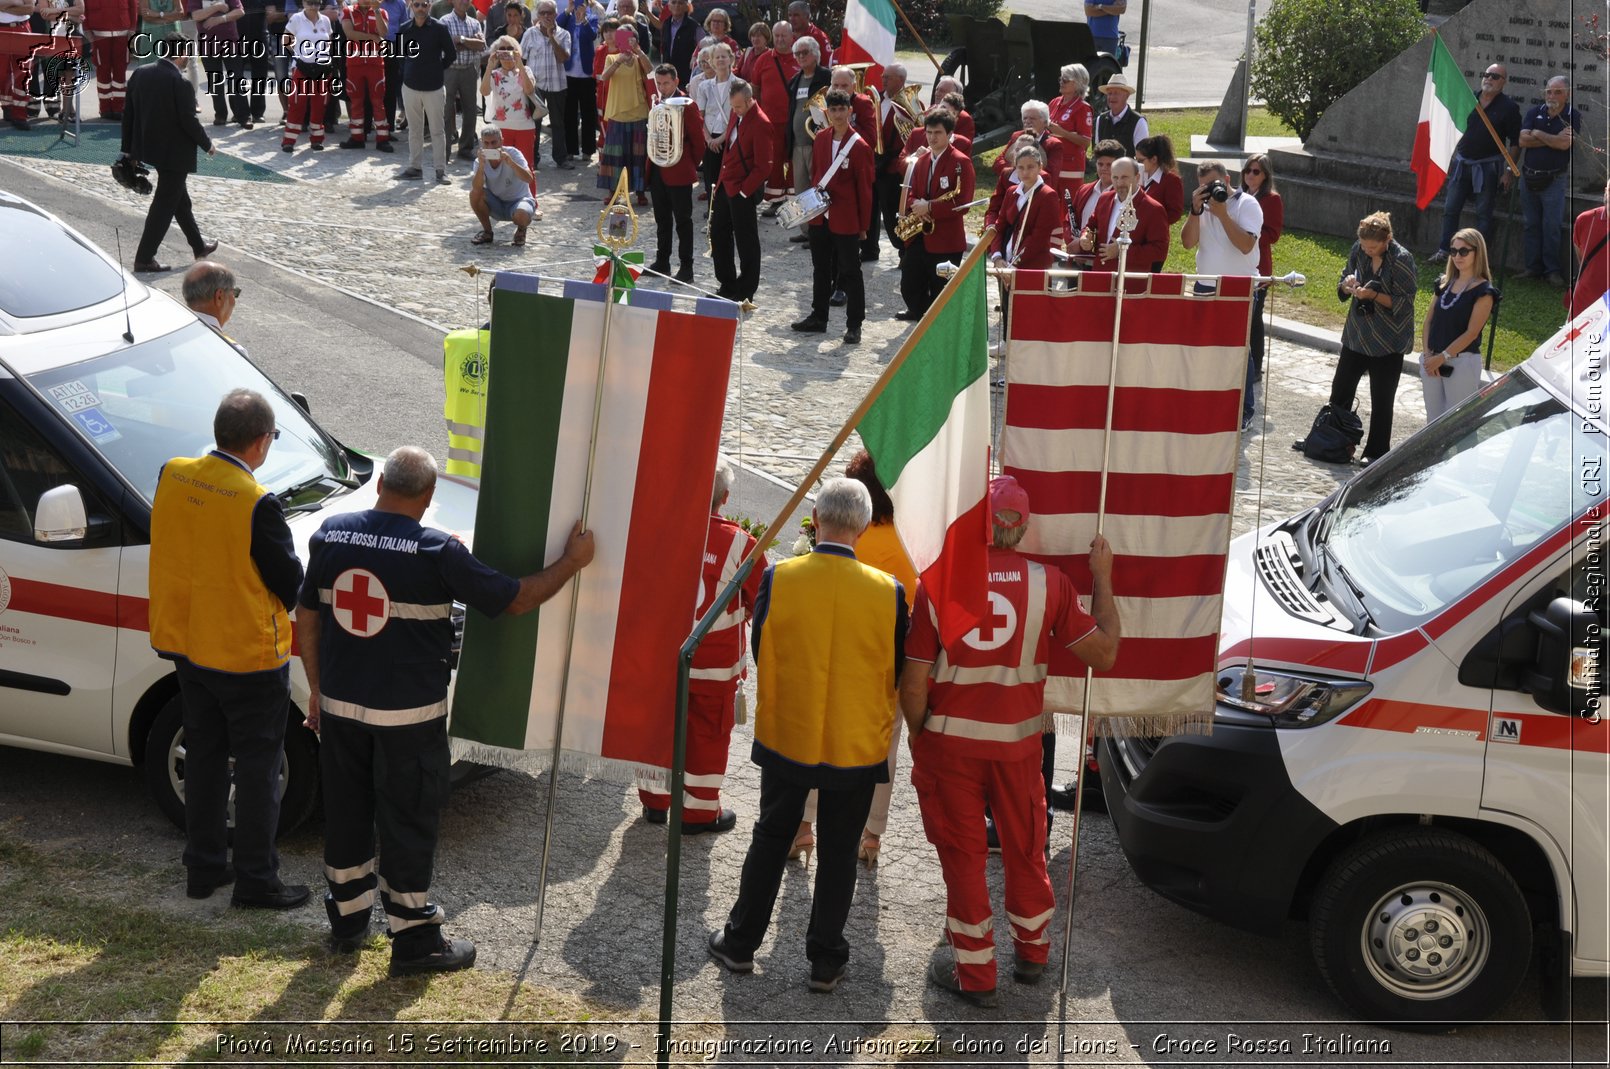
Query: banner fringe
1068, 723
537, 762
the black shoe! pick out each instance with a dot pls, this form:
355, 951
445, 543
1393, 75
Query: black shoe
1556, 280
352, 142
566, 165
869, 257
809, 325
202, 885
207, 249
317, 146
286, 147
943, 975
852, 336
908, 316
655, 816
452, 955
247, 125
727, 295
660, 267
349, 944
385, 146
799, 239
150, 267
442, 179
20, 124
685, 273
722, 953
278, 896
1061, 796
824, 978
1028, 972
838, 300
725, 820
412, 172
219, 120
466, 154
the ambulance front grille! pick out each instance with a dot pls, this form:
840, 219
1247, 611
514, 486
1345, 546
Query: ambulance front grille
1278, 563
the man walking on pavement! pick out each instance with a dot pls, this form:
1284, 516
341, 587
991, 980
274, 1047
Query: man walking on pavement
160, 128
223, 575
376, 631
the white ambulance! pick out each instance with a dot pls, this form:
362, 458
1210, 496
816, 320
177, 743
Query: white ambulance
102, 380
1409, 747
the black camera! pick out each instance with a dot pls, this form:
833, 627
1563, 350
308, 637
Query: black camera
1218, 191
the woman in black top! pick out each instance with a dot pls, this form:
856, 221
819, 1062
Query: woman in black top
1450, 360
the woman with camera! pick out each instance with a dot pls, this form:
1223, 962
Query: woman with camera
508, 86
1379, 284
1450, 357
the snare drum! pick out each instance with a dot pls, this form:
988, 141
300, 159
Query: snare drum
803, 207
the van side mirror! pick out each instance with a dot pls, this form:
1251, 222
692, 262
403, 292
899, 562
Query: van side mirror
300, 400
60, 517
1565, 677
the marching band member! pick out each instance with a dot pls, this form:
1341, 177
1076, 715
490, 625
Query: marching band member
1029, 216
917, 141
1006, 182
1036, 124
842, 165
670, 188
891, 164
1149, 246
863, 113
941, 183
744, 166
964, 120
1084, 201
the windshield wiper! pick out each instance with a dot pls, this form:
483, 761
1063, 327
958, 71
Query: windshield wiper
308, 484
1353, 588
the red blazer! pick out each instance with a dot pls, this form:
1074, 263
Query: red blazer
933, 178
918, 143
1051, 146
685, 171
1082, 200
1042, 216
850, 187
1149, 242
864, 118
824, 42
1274, 221
891, 141
1169, 192
1005, 183
964, 127
746, 163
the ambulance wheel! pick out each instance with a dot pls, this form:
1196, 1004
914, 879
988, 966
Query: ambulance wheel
164, 769
1420, 925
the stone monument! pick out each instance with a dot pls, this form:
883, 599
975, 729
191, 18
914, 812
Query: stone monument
1356, 160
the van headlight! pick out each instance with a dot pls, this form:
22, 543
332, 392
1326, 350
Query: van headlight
1291, 700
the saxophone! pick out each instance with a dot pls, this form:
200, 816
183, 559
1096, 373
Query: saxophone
665, 131
909, 227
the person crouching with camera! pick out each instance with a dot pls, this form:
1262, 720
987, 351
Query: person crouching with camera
1450, 360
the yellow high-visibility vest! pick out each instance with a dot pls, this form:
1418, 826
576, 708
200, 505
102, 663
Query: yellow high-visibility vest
464, 374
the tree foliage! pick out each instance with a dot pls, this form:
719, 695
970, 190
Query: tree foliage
1312, 52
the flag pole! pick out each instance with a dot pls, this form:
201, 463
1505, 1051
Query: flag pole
1127, 221
575, 582
978, 252
938, 67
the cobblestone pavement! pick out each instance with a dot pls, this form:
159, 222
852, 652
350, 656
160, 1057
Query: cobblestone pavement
348, 222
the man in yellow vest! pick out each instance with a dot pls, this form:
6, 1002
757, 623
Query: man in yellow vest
834, 634
223, 575
464, 373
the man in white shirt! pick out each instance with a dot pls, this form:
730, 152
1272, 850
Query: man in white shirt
1223, 227
546, 47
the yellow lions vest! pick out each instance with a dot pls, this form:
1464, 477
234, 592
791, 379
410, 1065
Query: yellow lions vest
464, 373
826, 665
208, 602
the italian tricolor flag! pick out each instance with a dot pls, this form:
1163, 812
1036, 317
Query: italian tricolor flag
1444, 109
929, 435
664, 389
868, 36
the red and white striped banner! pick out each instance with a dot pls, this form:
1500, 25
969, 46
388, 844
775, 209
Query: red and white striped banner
1171, 477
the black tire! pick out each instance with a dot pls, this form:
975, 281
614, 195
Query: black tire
1420, 925
164, 769
953, 62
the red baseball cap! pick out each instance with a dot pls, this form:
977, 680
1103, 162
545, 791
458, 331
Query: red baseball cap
1006, 495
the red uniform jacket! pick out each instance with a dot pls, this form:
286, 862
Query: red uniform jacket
824, 42
850, 187
1051, 146
1041, 217
864, 118
918, 142
891, 139
964, 126
1149, 246
685, 171
1084, 204
105, 16
933, 178
1005, 186
746, 163
1168, 191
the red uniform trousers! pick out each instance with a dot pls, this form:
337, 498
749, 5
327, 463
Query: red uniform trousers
952, 791
14, 77
366, 95
111, 56
305, 108
710, 717
780, 183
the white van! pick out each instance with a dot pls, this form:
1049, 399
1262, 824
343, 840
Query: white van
102, 380
1409, 748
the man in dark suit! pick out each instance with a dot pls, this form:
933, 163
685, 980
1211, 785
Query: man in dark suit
744, 167
679, 37
160, 129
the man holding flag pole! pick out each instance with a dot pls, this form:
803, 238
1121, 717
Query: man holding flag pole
1483, 160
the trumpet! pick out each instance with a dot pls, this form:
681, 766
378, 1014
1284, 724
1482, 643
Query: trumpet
910, 226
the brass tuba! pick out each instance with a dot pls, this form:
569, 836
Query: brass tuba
665, 131
816, 113
907, 110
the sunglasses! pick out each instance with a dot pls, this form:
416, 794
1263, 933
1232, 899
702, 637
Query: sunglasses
1490, 77
274, 434
1461, 250
1251, 170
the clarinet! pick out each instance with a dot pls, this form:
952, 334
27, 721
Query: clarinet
1068, 238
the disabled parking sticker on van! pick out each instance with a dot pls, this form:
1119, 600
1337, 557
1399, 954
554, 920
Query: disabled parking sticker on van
74, 396
93, 422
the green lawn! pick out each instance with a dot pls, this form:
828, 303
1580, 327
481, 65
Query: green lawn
1528, 315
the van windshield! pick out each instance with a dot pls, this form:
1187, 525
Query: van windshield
144, 405
1461, 499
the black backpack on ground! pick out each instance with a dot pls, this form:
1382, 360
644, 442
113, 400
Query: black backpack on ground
1333, 437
